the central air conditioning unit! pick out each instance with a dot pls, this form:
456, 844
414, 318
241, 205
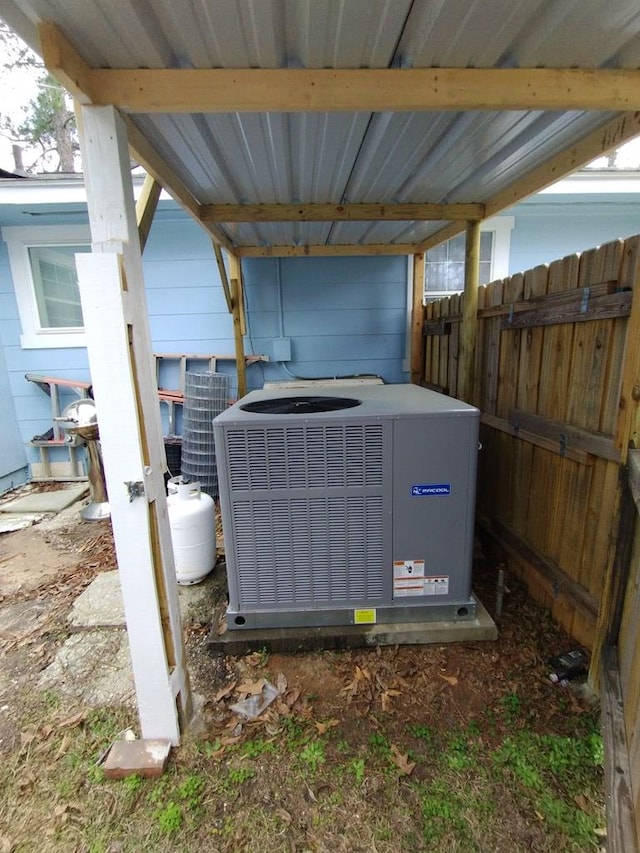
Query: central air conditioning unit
341, 509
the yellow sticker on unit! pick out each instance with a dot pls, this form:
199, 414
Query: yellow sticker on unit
364, 617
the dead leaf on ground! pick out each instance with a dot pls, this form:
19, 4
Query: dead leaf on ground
26, 739
292, 697
281, 683
73, 720
582, 802
63, 749
26, 781
450, 679
225, 691
283, 816
386, 698
251, 688
401, 761
324, 727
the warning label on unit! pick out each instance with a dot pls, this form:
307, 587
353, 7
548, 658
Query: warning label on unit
436, 585
365, 617
408, 578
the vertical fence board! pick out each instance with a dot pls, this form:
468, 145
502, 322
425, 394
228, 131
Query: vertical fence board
435, 346
491, 351
530, 524
443, 378
454, 348
555, 370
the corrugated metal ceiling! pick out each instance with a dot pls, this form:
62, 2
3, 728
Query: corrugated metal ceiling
348, 157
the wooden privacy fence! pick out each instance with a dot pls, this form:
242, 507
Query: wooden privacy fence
550, 358
557, 381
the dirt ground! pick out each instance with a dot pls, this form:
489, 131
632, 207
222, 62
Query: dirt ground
408, 709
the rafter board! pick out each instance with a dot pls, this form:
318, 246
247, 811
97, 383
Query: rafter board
339, 212
326, 250
146, 208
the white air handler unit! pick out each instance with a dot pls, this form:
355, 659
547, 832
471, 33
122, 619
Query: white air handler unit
342, 510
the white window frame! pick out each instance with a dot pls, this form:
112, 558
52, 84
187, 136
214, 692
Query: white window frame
19, 240
501, 226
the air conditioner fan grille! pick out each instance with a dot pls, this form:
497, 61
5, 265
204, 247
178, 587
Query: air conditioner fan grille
300, 405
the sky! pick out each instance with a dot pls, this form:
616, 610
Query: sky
18, 87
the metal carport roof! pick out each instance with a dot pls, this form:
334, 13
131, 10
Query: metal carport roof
273, 120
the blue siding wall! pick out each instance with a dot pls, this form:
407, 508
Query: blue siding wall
342, 316
13, 459
548, 227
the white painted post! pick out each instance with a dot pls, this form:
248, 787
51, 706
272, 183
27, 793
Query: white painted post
124, 382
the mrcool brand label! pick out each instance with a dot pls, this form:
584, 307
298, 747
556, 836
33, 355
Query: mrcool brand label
430, 490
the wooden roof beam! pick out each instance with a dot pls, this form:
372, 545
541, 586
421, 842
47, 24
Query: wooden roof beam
222, 90
230, 90
146, 208
323, 251
339, 212
611, 135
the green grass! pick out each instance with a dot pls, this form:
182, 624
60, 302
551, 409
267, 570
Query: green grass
472, 784
552, 771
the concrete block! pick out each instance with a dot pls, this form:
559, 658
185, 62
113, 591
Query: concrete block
101, 606
144, 757
47, 501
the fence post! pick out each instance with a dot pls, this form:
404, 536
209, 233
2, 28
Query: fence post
417, 320
626, 436
469, 331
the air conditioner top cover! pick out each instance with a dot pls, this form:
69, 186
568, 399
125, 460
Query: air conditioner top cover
379, 401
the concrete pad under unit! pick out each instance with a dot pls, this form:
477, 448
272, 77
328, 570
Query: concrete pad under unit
241, 642
47, 501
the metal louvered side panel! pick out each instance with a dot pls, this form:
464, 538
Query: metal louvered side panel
306, 457
309, 551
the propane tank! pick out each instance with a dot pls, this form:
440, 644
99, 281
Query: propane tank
193, 530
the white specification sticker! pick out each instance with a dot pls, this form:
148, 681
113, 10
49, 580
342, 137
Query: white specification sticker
408, 578
436, 585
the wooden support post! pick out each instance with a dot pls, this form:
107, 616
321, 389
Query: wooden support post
146, 208
628, 426
621, 832
223, 275
235, 270
123, 377
469, 330
417, 320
